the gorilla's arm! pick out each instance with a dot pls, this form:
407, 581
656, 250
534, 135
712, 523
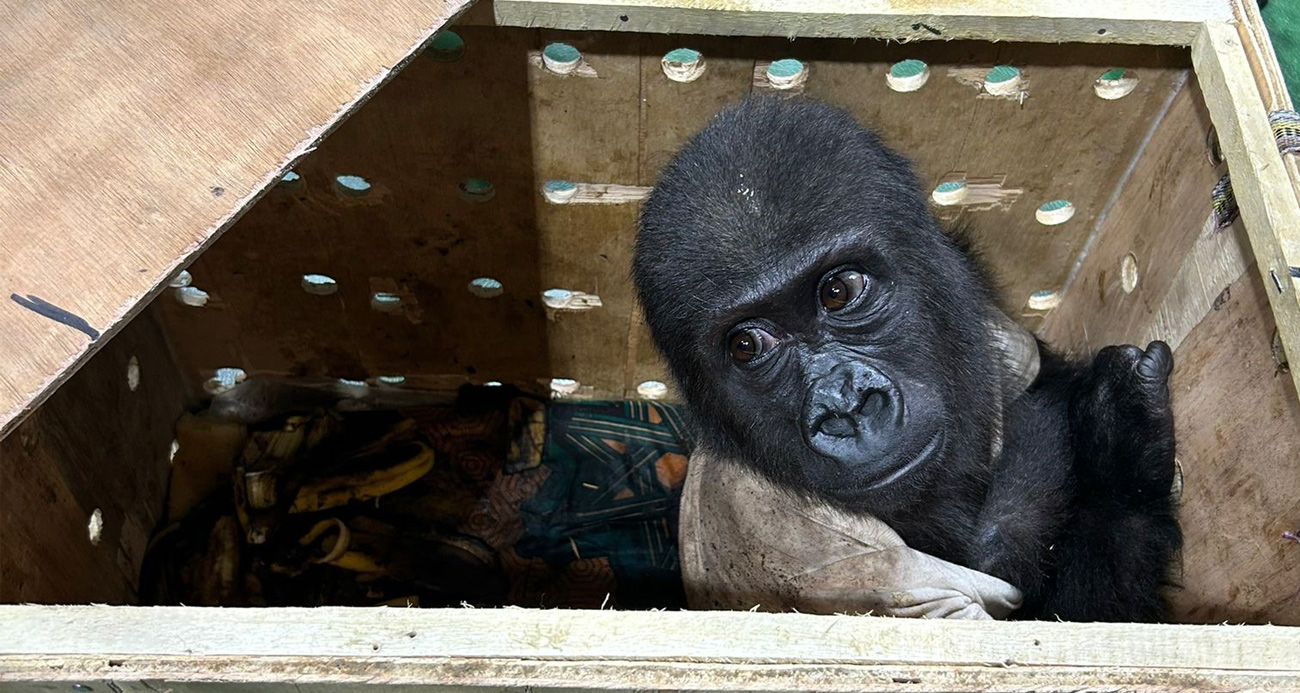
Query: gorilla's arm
1079, 515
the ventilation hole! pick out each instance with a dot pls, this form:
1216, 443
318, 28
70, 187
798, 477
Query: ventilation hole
319, 284
1002, 80
181, 280
787, 73
224, 379
477, 190
1212, 151
561, 58
1115, 84
1043, 300
556, 298
563, 386
351, 388
908, 75
352, 186
486, 287
949, 193
95, 528
683, 65
133, 373
559, 191
1128, 273
1054, 212
446, 47
652, 389
171, 454
385, 302
192, 296
391, 380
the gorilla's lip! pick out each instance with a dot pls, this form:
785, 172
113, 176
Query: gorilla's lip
909, 463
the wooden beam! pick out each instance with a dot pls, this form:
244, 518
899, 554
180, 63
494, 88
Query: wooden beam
1152, 22
133, 134
1260, 179
601, 650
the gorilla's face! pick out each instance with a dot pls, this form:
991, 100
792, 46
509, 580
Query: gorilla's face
837, 371
817, 319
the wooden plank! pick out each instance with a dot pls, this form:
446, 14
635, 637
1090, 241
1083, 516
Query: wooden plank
96, 445
1150, 22
1260, 180
1236, 417
133, 134
601, 650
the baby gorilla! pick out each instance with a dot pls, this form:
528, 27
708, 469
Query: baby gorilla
824, 329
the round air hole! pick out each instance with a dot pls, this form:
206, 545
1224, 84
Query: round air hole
787, 73
95, 527
1043, 300
556, 298
1054, 212
1213, 153
192, 296
1115, 84
385, 302
352, 186
319, 284
908, 75
391, 380
683, 65
561, 58
476, 190
224, 379
181, 280
559, 191
351, 388
1128, 273
1002, 80
949, 193
133, 373
486, 287
446, 47
652, 389
564, 386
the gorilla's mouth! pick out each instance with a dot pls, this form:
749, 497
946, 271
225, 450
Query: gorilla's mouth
905, 465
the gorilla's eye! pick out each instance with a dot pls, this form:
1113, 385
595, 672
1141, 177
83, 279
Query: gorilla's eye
841, 289
750, 343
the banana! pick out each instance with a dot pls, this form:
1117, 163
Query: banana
333, 491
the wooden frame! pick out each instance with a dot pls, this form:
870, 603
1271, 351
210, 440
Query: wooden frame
186, 649
48, 648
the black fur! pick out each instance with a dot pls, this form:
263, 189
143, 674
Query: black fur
888, 405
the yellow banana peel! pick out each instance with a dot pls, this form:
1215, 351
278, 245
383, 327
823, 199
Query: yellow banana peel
333, 491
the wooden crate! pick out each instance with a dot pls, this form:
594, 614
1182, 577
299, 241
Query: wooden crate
134, 136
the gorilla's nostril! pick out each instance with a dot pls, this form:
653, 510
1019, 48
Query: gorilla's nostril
873, 403
839, 426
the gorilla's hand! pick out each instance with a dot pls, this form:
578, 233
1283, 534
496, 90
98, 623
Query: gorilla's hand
1123, 426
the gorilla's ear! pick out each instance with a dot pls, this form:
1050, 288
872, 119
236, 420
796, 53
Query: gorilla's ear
1019, 350
1020, 362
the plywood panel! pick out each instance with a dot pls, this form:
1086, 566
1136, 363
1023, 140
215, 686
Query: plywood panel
1162, 208
133, 133
95, 445
1236, 416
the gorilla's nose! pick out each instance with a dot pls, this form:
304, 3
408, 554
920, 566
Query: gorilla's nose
853, 413
838, 426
